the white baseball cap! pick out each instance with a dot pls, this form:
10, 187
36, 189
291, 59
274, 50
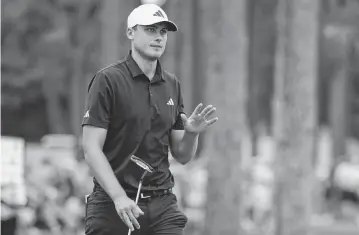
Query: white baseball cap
148, 14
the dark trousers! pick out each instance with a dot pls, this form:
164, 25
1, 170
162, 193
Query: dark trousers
8, 226
161, 216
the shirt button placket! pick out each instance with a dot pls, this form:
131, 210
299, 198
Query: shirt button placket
150, 93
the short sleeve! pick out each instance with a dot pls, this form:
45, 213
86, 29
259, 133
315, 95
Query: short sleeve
99, 102
180, 110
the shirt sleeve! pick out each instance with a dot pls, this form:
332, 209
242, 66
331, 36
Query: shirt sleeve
99, 102
180, 110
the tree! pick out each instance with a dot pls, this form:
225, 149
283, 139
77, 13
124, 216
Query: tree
295, 113
47, 47
263, 39
79, 40
182, 56
337, 73
224, 48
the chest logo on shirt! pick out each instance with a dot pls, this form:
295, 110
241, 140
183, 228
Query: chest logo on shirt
170, 102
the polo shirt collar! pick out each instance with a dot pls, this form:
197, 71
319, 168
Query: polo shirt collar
136, 71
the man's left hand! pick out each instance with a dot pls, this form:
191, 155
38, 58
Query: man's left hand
199, 119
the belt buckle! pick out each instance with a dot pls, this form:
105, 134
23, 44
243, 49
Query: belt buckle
143, 196
87, 197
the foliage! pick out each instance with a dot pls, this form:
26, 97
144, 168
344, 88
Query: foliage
42, 39
38, 41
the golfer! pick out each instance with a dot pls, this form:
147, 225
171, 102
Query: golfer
135, 107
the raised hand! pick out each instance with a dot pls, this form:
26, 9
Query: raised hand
199, 119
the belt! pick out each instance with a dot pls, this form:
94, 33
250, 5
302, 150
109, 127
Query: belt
152, 193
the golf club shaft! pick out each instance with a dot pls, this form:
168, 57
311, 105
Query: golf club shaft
138, 191
138, 195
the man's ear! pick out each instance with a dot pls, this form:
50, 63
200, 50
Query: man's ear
130, 33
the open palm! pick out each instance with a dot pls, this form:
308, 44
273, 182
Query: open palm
199, 119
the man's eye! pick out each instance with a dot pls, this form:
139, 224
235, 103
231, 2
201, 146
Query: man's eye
163, 31
150, 29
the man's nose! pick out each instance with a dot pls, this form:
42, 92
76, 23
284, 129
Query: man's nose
159, 38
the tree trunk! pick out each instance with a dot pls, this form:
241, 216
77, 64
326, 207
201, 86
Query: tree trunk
225, 49
110, 31
341, 40
263, 35
295, 113
78, 44
51, 84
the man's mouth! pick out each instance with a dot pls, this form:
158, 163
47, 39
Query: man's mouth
156, 46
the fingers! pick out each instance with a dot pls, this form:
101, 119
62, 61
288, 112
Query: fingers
126, 219
184, 118
211, 121
132, 218
137, 211
198, 109
128, 212
208, 111
205, 110
129, 215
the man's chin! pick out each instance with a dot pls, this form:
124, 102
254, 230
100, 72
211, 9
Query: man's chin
150, 55
155, 54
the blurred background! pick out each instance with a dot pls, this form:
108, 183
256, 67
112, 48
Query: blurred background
284, 75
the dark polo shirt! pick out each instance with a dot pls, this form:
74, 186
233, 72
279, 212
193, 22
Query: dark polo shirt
139, 116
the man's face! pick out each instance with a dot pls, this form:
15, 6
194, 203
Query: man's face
149, 40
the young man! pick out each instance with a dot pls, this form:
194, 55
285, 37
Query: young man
134, 107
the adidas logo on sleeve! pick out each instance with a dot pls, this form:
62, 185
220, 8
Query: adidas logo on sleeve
170, 102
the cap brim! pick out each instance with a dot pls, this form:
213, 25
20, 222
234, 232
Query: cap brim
170, 25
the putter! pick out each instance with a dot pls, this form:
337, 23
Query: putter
148, 169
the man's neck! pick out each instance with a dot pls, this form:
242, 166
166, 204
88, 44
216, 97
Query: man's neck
148, 67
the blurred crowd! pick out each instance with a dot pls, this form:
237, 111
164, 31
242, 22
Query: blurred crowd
57, 179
